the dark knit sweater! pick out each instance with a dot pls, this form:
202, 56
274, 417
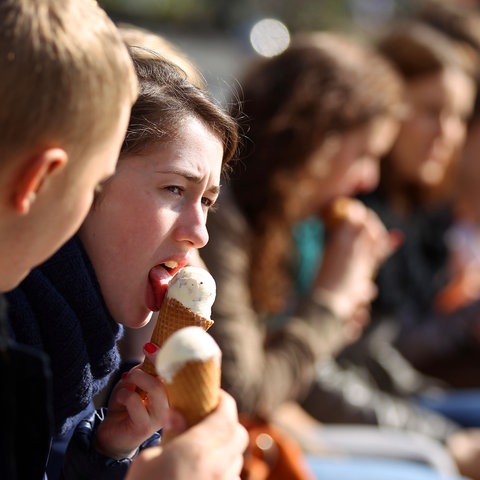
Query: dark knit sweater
59, 309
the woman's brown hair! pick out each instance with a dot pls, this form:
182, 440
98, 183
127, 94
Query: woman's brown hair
165, 99
322, 83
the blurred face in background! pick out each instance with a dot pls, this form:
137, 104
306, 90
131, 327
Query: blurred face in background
347, 163
434, 131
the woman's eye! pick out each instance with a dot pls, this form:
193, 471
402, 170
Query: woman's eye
210, 204
174, 189
207, 202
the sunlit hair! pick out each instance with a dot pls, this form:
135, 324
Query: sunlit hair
417, 49
166, 98
323, 83
461, 23
153, 44
61, 61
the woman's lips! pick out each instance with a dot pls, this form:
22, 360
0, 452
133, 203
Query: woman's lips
158, 279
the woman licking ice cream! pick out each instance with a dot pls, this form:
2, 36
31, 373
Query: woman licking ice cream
143, 228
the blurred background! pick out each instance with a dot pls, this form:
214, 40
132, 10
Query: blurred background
220, 35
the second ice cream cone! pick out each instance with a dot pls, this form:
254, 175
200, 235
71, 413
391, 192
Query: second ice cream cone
194, 389
336, 212
190, 367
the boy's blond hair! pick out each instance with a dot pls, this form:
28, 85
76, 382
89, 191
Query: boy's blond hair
65, 75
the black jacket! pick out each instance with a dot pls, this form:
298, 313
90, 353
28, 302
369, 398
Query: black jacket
25, 403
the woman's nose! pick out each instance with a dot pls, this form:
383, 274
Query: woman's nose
368, 175
192, 227
454, 129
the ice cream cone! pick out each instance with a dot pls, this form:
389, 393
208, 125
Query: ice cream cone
172, 316
336, 212
194, 389
190, 367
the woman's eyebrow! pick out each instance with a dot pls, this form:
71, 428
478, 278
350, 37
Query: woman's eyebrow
215, 189
189, 176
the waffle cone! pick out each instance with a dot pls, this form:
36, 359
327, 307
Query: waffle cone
172, 316
194, 390
336, 212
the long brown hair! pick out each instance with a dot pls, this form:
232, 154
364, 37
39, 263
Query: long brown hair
165, 99
322, 83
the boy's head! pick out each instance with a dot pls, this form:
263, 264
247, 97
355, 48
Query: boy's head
66, 89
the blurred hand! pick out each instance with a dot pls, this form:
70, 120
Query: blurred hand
465, 449
353, 252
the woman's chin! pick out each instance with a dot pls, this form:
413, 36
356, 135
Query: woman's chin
433, 174
140, 321
148, 318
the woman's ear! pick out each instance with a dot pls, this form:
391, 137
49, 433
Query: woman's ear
34, 174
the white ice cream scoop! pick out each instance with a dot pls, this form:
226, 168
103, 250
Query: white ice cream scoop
195, 289
189, 344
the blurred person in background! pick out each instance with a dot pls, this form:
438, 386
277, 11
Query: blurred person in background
415, 195
417, 179
315, 128
317, 118
455, 357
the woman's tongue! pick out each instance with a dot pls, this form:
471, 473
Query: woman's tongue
158, 279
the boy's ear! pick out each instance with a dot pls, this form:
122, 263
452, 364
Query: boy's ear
34, 175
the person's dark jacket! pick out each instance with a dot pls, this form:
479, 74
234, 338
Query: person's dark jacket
25, 403
409, 284
59, 312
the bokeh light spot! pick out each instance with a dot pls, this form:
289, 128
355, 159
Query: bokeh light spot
269, 37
